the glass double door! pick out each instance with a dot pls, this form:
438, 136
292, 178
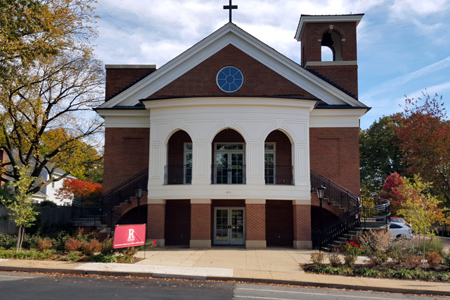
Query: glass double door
229, 226
229, 168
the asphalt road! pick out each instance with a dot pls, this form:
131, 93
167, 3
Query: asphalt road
27, 286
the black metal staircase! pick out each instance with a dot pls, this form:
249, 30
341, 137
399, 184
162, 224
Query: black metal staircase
359, 214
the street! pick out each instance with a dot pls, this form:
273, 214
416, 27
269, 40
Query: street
28, 286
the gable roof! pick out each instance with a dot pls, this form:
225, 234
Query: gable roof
224, 36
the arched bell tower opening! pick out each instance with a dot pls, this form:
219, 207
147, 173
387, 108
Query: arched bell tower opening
331, 46
328, 49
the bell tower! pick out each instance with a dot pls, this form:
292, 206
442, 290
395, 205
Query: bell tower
335, 34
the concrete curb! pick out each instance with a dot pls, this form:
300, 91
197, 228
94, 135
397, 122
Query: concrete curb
227, 279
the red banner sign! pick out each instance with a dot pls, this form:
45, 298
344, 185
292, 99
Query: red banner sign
129, 236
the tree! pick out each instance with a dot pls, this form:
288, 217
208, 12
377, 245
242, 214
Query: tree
392, 191
73, 187
420, 208
21, 209
379, 153
44, 119
30, 29
424, 138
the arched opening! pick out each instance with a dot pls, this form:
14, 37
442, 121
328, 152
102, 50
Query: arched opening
331, 46
228, 159
137, 215
278, 159
179, 159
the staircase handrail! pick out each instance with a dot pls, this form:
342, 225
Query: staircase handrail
127, 182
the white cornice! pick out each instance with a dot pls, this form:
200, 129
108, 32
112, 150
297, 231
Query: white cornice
230, 101
304, 19
336, 117
231, 34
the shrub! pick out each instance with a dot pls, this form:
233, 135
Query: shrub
89, 248
73, 245
60, 241
413, 261
44, 244
73, 256
335, 259
7, 241
446, 258
107, 247
433, 259
350, 251
427, 246
318, 257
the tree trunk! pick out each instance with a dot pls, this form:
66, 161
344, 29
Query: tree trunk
19, 239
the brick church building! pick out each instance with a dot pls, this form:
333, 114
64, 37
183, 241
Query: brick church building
231, 138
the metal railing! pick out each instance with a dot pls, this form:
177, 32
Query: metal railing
375, 213
231, 174
278, 174
178, 174
341, 197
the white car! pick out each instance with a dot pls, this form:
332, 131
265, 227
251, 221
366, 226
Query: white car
399, 230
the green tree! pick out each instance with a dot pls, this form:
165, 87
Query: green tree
21, 209
420, 207
379, 153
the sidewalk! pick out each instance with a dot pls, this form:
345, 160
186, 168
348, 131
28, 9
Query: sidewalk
279, 266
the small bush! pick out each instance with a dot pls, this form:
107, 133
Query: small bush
7, 241
350, 251
433, 259
413, 261
91, 247
107, 247
60, 241
426, 246
335, 259
44, 244
445, 258
318, 257
73, 245
73, 256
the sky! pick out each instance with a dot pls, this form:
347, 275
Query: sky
403, 45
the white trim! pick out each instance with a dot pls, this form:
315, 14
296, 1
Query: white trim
331, 63
231, 34
230, 101
125, 118
336, 117
304, 19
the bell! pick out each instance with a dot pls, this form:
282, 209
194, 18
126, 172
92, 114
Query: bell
327, 40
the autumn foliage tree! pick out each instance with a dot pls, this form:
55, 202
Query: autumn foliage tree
73, 187
46, 98
424, 138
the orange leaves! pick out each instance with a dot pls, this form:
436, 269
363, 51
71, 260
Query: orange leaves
79, 188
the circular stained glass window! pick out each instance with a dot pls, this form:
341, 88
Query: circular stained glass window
230, 79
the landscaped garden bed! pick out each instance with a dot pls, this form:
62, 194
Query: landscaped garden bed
374, 255
64, 247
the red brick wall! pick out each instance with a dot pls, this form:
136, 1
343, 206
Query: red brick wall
118, 79
155, 221
334, 154
258, 79
200, 221
255, 218
311, 47
302, 222
126, 154
346, 77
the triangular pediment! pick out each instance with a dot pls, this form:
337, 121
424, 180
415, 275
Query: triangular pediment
267, 73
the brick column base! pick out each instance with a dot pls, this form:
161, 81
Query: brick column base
155, 223
200, 224
302, 226
255, 225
